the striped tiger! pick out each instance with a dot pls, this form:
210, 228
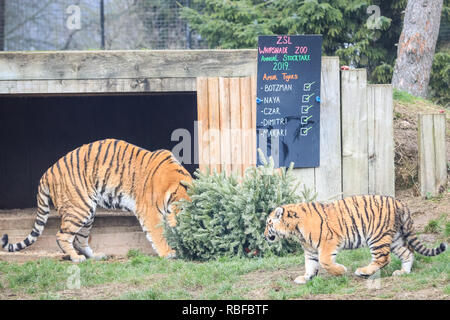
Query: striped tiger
111, 174
382, 223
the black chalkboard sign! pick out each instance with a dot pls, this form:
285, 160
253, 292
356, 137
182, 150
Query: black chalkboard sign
288, 99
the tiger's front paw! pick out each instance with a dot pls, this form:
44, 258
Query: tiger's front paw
363, 272
99, 256
301, 280
397, 273
78, 258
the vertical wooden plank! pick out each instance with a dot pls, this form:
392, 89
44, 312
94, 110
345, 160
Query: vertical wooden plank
214, 124
355, 173
225, 138
235, 124
306, 178
432, 154
328, 177
203, 123
427, 168
246, 118
440, 150
253, 127
371, 143
380, 140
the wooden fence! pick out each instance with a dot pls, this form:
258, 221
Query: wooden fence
356, 131
227, 123
432, 154
356, 137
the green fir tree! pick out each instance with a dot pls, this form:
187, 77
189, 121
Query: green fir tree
226, 217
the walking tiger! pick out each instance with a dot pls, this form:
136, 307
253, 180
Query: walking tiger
111, 174
380, 222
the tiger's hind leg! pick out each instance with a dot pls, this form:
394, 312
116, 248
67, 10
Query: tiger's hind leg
405, 255
81, 242
311, 267
71, 224
380, 251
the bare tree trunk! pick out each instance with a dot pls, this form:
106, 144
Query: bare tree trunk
2, 25
416, 46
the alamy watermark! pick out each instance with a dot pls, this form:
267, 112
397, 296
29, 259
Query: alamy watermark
73, 280
184, 153
374, 20
73, 21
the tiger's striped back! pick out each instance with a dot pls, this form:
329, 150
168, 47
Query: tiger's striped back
111, 174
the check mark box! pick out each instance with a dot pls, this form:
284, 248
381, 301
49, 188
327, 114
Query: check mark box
307, 86
305, 98
304, 119
305, 109
304, 131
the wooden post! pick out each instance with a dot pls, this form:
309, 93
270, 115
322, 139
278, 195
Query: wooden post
432, 155
355, 171
246, 117
203, 123
380, 139
236, 125
225, 138
214, 124
253, 138
328, 177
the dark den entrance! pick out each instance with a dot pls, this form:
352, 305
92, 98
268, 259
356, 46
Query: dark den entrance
35, 131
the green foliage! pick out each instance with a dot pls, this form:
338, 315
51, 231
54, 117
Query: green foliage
447, 229
440, 78
404, 96
432, 227
228, 218
382, 73
438, 226
348, 30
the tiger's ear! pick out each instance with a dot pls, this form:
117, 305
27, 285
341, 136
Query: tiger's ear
278, 212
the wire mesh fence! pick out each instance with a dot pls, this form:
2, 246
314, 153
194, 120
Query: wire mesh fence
95, 24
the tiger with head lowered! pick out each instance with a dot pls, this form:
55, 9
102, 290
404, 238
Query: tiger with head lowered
110, 174
380, 222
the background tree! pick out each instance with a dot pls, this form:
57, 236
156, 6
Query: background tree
343, 23
416, 46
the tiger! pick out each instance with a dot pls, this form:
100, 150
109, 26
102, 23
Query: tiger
383, 223
111, 174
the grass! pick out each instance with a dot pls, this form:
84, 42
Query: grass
148, 277
404, 96
440, 225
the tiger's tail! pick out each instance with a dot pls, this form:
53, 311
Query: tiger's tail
420, 248
43, 199
413, 241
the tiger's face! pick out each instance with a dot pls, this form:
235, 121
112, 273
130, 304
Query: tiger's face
177, 193
274, 226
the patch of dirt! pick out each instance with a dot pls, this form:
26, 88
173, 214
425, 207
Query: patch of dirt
422, 210
260, 279
383, 293
108, 291
105, 291
387, 288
